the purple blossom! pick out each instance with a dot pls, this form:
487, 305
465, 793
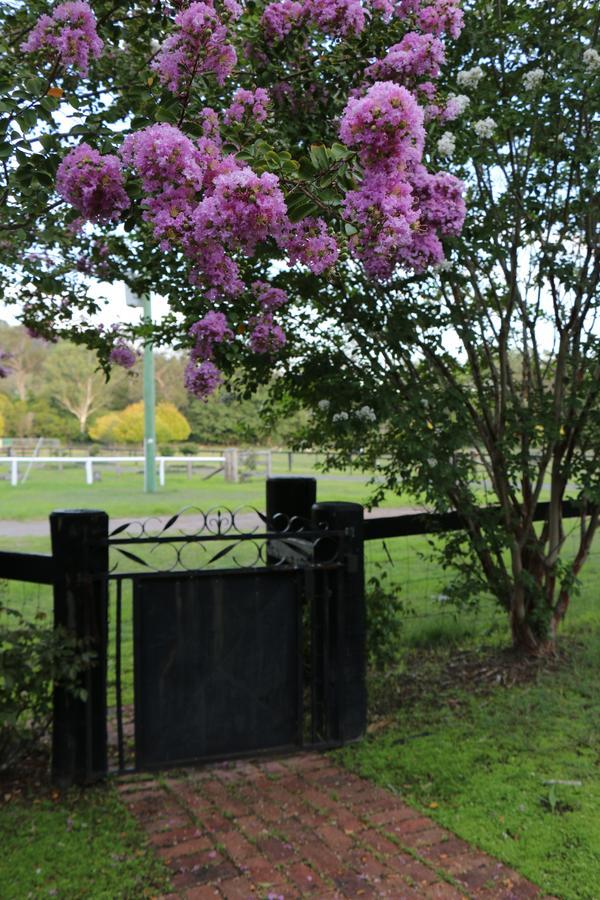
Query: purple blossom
71, 32
386, 125
280, 18
266, 335
416, 56
309, 242
244, 209
197, 47
382, 210
269, 297
161, 154
123, 355
250, 104
337, 18
202, 380
210, 330
93, 184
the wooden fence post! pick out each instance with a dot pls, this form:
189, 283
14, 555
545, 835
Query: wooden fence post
231, 464
346, 615
290, 496
80, 554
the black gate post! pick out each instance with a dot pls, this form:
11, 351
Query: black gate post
290, 496
344, 637
80, 553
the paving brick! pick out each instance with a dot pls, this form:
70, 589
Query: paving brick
240, 888
421, 840
202, 892
413, 871
186, 848
444, 891
345, 820
335, 838
199, 874
465, 862
301, 827
173, 836
354, 886
165, 823
394, 815
237, 846
275, 850
305, 879
381, 844
252, 827
417, 823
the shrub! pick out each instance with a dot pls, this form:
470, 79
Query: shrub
33, 659
384, 622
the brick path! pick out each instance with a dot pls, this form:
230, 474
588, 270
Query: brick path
303, 827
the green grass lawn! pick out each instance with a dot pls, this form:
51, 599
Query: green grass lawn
477, 762
123, 495
480, 764
84, 844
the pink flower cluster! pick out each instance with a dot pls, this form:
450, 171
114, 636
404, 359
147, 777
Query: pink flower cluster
249, 104
342, 18
386, 125
416, 56
269, 297
92, 183
207, 204
70, 32
400, 215
337, 18
123, 355
310, 243
212, 329
202, 380
198, 46
266, 336
433, 16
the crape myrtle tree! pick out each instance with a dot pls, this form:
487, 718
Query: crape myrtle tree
488, 371
281, 171
207, 151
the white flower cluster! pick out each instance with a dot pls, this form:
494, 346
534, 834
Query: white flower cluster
459, 102
591, 59
485, 127
340, 417
446, 144
446, 265
532, 79
324, 405
470, 78
366, 414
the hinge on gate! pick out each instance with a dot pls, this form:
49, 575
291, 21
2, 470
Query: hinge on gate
352, 563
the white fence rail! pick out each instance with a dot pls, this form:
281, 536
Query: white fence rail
235, 464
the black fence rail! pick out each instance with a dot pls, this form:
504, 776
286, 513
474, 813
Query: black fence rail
132, 594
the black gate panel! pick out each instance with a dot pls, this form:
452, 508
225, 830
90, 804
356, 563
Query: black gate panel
218, 664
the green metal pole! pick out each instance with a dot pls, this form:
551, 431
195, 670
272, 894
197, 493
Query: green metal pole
149, 407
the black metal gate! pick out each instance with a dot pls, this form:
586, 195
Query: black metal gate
227, 662
219, 634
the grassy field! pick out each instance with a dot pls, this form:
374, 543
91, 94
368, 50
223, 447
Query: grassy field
479, 761
79, 845
512, 770
122, 495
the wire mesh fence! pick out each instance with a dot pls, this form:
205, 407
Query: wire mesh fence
410, 573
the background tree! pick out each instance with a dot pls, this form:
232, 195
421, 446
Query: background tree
489, 369
127, 426
75, 382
